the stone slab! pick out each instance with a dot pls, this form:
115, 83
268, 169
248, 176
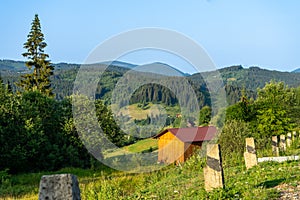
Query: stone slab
282, 143
250, 154
275, 148
213, 172
59, 187
250, 160
278, 159
289, 139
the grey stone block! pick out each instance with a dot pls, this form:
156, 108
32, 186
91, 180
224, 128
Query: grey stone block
59, 187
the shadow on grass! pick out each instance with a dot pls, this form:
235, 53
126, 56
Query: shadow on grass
272, 183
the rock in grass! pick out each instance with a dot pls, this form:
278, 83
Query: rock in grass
59, 187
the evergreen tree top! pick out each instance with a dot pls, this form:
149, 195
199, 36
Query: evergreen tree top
39, 79
35, 43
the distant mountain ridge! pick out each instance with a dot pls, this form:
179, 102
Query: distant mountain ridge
160, 68
253, 77
296, 70
156, 67
235, 79
12, 65
120, 64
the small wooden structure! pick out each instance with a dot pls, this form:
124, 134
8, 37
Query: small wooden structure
178, 144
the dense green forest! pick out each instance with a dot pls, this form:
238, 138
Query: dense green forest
236, 79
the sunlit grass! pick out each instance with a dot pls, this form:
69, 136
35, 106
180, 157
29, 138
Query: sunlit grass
143, 145
172, 182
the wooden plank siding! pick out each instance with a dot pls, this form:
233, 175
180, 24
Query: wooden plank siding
178, 144
171, 149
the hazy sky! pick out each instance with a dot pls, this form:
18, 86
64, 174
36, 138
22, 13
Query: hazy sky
262, 33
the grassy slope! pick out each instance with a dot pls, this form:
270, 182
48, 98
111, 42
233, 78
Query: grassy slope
143, 145
172, 182
136, 112
138, 147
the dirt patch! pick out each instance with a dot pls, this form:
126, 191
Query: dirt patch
288, 191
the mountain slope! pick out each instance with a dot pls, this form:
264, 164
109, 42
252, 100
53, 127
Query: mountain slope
296, 71
160, 68
12, 65
120, 64
251, 78
235, 79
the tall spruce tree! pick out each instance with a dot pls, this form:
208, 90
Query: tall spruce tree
39, 79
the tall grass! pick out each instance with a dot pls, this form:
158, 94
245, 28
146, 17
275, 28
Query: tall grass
185, 181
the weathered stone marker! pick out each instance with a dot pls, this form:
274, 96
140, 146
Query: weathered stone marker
59, 187
250, 154
289, 139
275, 148
294, 135
213, 172
282, 144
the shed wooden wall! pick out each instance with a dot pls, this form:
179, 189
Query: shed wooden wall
170, 149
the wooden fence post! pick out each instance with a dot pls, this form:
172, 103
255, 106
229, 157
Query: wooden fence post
250, 154
275, 148
213, 172
60, 187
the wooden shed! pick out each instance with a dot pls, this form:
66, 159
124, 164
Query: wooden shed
178, 144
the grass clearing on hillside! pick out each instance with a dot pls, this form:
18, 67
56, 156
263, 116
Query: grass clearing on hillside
136, 112
149, 145
146, 145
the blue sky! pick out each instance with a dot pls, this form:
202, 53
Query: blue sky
251, 33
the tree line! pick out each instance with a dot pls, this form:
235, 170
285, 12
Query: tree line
37, 132
274, 112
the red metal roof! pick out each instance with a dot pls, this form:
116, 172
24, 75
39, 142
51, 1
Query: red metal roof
193, 134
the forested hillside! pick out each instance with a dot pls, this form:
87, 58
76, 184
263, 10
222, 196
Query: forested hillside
296, 70
236, 80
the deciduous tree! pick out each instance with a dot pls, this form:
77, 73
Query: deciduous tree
205, 115
274, 103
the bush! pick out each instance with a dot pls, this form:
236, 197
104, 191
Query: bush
4, 176
36, 134
232, 141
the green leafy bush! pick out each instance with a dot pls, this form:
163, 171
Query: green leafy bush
232, 141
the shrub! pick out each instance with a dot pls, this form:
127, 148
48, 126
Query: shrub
232, 141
